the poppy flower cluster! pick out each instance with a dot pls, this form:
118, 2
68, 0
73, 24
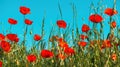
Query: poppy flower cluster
61, 41
44, 54
25, 10
67, 50
106, 44
82, 43
96, 18
64, 50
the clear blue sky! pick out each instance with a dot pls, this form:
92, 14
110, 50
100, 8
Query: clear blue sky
10, 9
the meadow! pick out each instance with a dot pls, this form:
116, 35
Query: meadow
67, 45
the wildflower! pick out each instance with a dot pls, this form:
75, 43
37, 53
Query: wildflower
24, 10
61, 24
12, 21
113, 24
60, 40
95, 18
110, 11
82, 43
85, 28
63, 44
12, 37
2, 37
114, 57
16, 39
28, 22
31, 58
37, 37
1, 63
83, 36
46, 54
61, 56
5, 46
106, 43
69, 51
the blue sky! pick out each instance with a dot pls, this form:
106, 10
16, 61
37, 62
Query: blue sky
10, 9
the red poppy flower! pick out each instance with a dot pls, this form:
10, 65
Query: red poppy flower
12, 21
83, 36
106, 43
63, 44
5, 46
2, 37
12, 37
61, 40
82, 43
113, 24
28, 22
1, 63
31, 58
61, 24
114, 57
110, 11
46, 54
24, 10
37, 37
85, 28
16, 39
69, 51
95, 18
